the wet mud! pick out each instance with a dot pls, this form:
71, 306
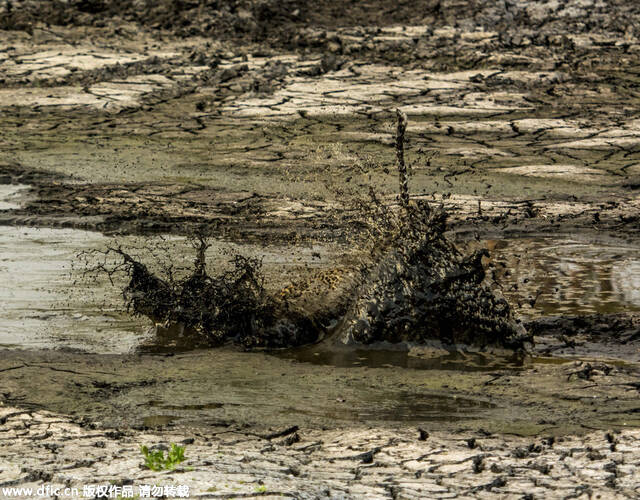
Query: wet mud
226, 387
265, 122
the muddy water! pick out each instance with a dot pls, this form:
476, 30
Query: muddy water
548, 276
385, 356
370, 405
46, 305
49, 304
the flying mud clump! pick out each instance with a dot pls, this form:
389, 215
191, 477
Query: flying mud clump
232, 306
411, 285
417, 286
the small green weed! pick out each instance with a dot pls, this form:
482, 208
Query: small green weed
261, 489
156, 461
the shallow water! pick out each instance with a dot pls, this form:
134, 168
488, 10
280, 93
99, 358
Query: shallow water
382, 357
549, 276
404, 406
47, 304
8, 195
400, 406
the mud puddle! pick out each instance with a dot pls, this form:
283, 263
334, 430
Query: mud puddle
407, 407
548, 276
46, 307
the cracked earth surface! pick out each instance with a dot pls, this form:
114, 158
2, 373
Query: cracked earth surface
493, 115
263, 120
341, 463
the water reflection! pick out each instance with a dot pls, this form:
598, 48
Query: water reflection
380, 357
547, 276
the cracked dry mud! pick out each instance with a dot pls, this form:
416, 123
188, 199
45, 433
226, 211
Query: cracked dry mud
260, 119
498, 113
341, 463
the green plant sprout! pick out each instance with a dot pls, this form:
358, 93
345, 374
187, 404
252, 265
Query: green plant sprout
156, 461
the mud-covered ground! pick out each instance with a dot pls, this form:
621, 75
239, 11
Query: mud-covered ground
265, 121
529, 108
300, 463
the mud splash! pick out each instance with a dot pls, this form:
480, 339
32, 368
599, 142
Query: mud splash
411, 284
419, 287
210, 310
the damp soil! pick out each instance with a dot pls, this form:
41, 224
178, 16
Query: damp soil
221, 387
523, 124
117, 371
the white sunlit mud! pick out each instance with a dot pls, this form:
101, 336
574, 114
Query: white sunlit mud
46, 305
9, 194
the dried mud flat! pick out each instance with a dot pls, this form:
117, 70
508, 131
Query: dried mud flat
261, 119
341, 463
527, 108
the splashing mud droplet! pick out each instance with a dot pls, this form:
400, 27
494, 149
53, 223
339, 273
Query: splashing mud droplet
411, 284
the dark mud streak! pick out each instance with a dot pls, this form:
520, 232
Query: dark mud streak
13, 368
